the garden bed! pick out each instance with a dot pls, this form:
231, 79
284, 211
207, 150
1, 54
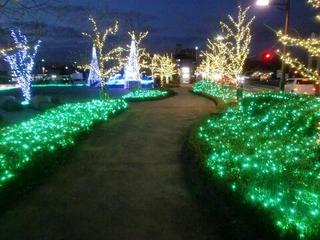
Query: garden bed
33, 144
148, 95
266, 151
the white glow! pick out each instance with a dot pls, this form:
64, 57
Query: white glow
94, 75
263, 3
219, 38
21, 62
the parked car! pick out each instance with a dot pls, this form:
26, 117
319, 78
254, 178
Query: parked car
302, 86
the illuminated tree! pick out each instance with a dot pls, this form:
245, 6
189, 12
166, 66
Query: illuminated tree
21, 61
110, 59
142, 54
164, 67
237, 40
310, 45
214, 64
154, 65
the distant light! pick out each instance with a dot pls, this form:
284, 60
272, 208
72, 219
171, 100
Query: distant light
42, 60
67, 67
196, 48
263, 3
219, 38
185, 72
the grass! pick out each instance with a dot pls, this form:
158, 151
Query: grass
266, 151
142, 95
30, 148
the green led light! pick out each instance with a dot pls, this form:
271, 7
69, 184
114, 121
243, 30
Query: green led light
267, 149
146, 94
55, 129
224, 92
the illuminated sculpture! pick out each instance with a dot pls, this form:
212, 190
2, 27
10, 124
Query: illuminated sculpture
132, 69
94, 75
109, 59
137, 59
21, 61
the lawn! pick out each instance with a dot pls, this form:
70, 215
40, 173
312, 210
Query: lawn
266, 150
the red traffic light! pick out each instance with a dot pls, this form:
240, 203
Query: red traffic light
268, 56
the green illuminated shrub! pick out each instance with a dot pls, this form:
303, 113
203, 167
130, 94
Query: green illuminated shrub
54, 130
267, 150
148, 95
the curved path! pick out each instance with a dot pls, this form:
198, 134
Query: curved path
129, 180
126, 181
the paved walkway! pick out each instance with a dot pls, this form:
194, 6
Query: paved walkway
126, 181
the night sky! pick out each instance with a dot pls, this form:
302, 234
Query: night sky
188, 22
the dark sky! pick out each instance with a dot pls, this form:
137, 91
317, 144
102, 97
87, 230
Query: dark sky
188, 22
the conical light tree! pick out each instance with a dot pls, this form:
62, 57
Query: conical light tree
21, 61
132, 68
310, 45
142, 55
110, 59
94, 75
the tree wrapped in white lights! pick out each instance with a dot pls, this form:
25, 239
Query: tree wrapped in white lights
238, 38
310, 45
215, 62
21, 61
164, 67
110, 59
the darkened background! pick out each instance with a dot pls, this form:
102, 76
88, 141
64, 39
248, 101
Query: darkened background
189, 22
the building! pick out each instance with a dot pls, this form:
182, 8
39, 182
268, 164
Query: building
187, 62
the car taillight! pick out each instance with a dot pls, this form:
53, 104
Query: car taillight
314, 89
295, 89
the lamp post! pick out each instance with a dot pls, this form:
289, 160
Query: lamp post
287, 6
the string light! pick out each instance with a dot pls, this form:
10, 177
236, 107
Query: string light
110, 59
164, 67
267, 149
238, 38
142, 55
225, 92
311, 45
316, 5
146, 94
49, 132
21, 61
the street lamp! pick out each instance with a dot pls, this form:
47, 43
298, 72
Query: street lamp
287, 6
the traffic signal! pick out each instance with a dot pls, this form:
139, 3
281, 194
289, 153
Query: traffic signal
268, 56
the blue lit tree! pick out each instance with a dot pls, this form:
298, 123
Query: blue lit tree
21, 61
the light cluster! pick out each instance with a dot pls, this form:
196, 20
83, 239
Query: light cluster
143, 57
316, 5
310, 45
56, 129
110, 60
226, 54
21, 61
164, 67
225, 92
146, 94
267, 150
